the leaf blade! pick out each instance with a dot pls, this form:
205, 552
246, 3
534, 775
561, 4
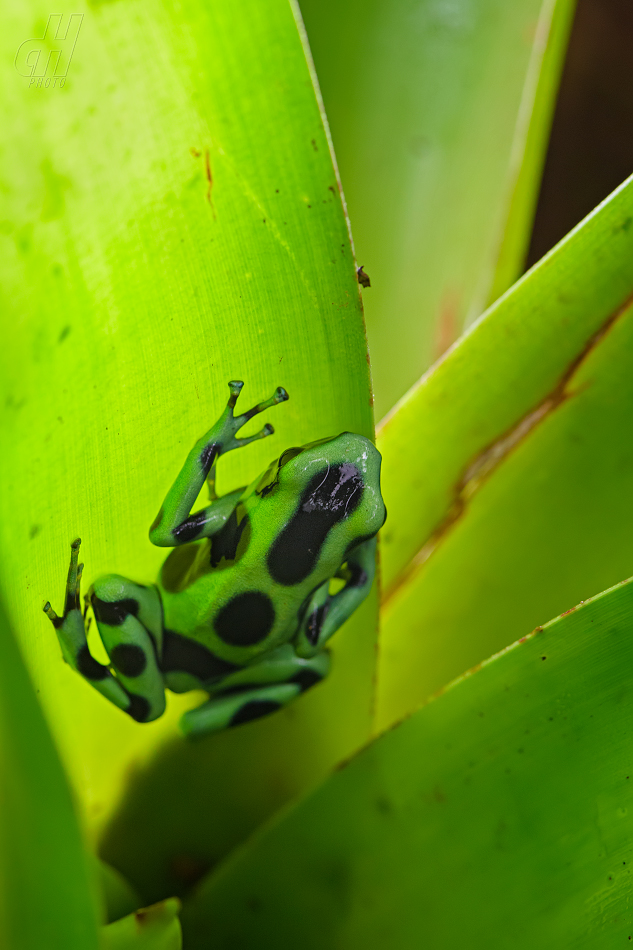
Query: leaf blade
499, 812
174, 221
543, 324
535, 520
47, 895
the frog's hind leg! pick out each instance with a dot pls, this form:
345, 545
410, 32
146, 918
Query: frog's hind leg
325, 613
256, 691
129, 618
233, 710
71, 633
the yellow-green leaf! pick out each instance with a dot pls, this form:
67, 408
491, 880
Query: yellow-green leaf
172, 220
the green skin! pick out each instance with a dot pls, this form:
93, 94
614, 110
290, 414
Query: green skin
244, 604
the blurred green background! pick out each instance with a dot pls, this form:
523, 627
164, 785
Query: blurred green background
380, 98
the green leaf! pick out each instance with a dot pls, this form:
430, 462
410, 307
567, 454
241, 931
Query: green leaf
47, 898
501, 814
152, 928
172, 220
522, 502
439, 115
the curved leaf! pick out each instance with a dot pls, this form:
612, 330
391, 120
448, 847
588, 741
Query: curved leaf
173, 220
522, 505
501, 814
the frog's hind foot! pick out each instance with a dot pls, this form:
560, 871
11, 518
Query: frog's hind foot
235, 423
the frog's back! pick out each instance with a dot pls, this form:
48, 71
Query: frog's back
243, 592
233, 607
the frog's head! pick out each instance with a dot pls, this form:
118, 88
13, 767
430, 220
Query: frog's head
326, 501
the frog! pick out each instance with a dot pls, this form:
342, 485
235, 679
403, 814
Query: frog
257, 583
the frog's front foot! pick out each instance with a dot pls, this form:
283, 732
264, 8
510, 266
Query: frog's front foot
71, 633
232, 423
174, 523
73, 587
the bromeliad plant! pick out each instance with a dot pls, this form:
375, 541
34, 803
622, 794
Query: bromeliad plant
174, 220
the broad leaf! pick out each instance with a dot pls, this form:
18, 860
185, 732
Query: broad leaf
508, 471
172, 220
439, 114
501, 814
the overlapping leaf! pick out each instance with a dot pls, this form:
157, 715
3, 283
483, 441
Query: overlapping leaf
501, 814
508, 471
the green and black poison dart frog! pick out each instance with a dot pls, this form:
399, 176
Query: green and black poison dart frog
243, 607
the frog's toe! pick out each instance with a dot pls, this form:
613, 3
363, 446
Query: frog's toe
54, 618
234, 423
281, 395
267, 430
73, 586
235, 387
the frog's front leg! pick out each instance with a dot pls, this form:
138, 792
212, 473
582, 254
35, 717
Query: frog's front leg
256, 691
71, 633
131, 612
326, 613
174, 525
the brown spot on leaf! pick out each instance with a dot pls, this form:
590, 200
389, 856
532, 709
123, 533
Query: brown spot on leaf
488, 459
209, 174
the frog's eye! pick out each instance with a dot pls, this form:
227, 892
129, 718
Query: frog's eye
292, 453
268, 480
286, 456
